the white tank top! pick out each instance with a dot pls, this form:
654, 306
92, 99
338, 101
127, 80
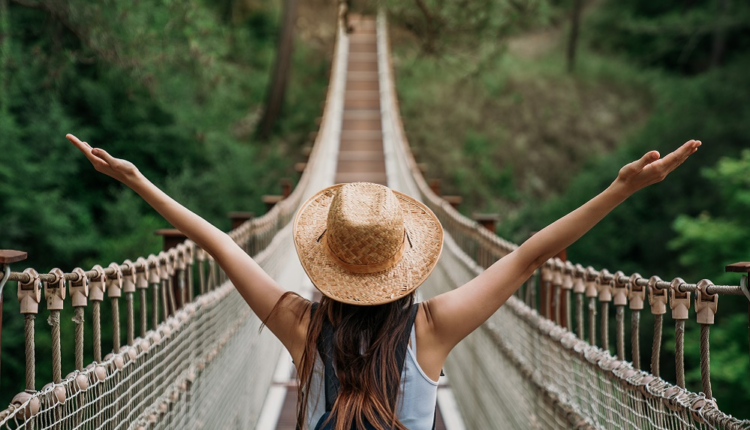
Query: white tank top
417, 399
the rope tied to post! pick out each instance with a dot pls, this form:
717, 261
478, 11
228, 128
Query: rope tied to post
706, 306
96, 294
679, 301
54, 292
657, 299
636, 296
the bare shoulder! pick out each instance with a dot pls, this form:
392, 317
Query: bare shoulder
431, 352
290, 321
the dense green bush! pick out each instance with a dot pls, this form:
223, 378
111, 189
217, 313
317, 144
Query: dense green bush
175, 87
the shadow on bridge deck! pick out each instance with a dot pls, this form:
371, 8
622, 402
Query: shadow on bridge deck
287, 420
361, 157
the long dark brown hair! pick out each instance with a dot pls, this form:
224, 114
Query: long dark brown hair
365, 339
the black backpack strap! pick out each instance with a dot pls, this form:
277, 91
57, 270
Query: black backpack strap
403, 342
325, 349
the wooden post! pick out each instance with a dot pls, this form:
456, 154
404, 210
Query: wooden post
435, 186
7, 256
300, 167
454, 201
270, 201
286, 190
743, 267
488, 221
172, 237
286, 187
239, 218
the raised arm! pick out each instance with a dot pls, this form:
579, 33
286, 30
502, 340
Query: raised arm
258, 289
453, 315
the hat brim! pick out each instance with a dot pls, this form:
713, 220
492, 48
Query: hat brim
425, 236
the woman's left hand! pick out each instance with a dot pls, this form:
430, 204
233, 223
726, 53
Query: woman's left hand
117, 168
649, 169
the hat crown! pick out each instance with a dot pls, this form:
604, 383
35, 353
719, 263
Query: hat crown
365, 224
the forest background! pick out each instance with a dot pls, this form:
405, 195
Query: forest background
494, 103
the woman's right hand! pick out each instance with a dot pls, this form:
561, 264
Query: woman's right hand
122, 170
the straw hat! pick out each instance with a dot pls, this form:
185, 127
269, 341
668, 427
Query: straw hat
365, 244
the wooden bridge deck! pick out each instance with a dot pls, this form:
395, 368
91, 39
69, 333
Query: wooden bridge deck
361, 157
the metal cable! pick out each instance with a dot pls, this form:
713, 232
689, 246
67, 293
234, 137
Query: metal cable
656, 346
679, 352
115, 325
579, 315
143, 310
30, 358
97, 331
530, 290
202, 276
155, 307
131, 318
190, 283
54, 321
605, 326
164, 305
181, 290
706, 361
78, 319
635, 322
592, 320
620, 340
212, 274
170, 293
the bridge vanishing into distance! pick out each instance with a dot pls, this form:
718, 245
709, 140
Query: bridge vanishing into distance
191, 355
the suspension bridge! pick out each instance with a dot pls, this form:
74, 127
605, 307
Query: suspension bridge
187, 351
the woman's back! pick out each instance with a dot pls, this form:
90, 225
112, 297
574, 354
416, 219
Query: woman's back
417, 395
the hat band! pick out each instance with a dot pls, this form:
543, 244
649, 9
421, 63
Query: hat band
365, 268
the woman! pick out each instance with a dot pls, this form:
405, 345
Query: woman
367, 249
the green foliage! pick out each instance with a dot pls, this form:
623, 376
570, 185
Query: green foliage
502, 129
455, 26
677, 35
635, 236
721, 234
171, 85
650, 75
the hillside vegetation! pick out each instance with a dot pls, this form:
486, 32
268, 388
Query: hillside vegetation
174, 86
503, 124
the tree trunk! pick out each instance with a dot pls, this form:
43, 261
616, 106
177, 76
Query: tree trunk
4, 57
575, 19
720, 35
280, 76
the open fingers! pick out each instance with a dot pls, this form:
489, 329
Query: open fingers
83, 146
678, 156
647, 159
87, 151
104, 155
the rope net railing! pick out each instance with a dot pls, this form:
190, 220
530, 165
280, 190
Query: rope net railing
193, 355
537, 363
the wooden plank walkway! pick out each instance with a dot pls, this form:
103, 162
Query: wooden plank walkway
361, 150
361, 157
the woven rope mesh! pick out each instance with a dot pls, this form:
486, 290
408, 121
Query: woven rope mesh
209, 367
519, 370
